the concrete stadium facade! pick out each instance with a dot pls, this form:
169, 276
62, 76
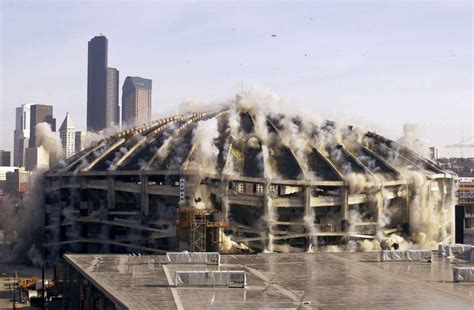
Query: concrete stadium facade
249, 187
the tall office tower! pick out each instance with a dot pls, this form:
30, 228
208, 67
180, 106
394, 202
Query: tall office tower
112, 98
96, 83
40, 113
21, 135
136, 101
5, 158
102, 109
67, 132
79, 140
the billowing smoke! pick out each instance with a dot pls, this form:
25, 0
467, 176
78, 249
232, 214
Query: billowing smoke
206, 152
23, 224
262, 123
270, 218
312, 229
230, 246
90, 138
429, 203
412, 139
192, 105
50, 141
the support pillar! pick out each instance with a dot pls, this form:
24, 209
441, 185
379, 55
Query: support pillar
307, 200
379, 208
225, 200
308, 214
110, 192
83, 187
406, 224
345, 210
266, 216
266, 190
144, 199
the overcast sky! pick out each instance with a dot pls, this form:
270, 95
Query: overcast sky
366, 62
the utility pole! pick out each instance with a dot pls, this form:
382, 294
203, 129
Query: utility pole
14, 292
42, 279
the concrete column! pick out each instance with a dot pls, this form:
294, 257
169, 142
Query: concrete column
225, 200
345, 208
307, 200
406, 224
380, 204
83, 187
144, 200
307, 213
266, 190
110, 192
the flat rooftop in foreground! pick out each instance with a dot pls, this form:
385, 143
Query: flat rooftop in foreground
319, 280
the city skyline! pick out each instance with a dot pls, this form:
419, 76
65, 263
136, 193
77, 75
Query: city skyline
240, 154
388, 67
27, 117
102, 87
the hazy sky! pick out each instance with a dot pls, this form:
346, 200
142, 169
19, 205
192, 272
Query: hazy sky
367, 62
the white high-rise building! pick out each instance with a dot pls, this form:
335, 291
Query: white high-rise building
21, 135
67, 132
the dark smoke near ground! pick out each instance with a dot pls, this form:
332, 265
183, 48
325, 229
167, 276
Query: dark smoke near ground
23, 219
23, 225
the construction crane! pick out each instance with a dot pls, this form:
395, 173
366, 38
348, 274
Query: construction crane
464, 144
467, 143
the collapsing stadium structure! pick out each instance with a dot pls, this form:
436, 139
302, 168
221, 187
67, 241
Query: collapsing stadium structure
242, 179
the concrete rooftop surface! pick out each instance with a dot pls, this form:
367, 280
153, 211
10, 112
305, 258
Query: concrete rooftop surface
274, 281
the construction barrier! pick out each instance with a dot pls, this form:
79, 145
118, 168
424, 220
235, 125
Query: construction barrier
208, 258
450, 249
409, 255
228, 278
463, 274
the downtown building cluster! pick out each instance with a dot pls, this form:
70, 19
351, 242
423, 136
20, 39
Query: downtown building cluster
103, 109
103, 112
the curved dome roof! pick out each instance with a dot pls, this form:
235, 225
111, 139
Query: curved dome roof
249, 142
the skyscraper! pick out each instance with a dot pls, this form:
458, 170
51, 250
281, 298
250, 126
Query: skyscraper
112, 112
79, 140
102, 109
67, 132
136, 101
27, 117
40, 113
21, 135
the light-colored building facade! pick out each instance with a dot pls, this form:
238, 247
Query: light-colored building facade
136, 101
112, 112
434, 153
67, 132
